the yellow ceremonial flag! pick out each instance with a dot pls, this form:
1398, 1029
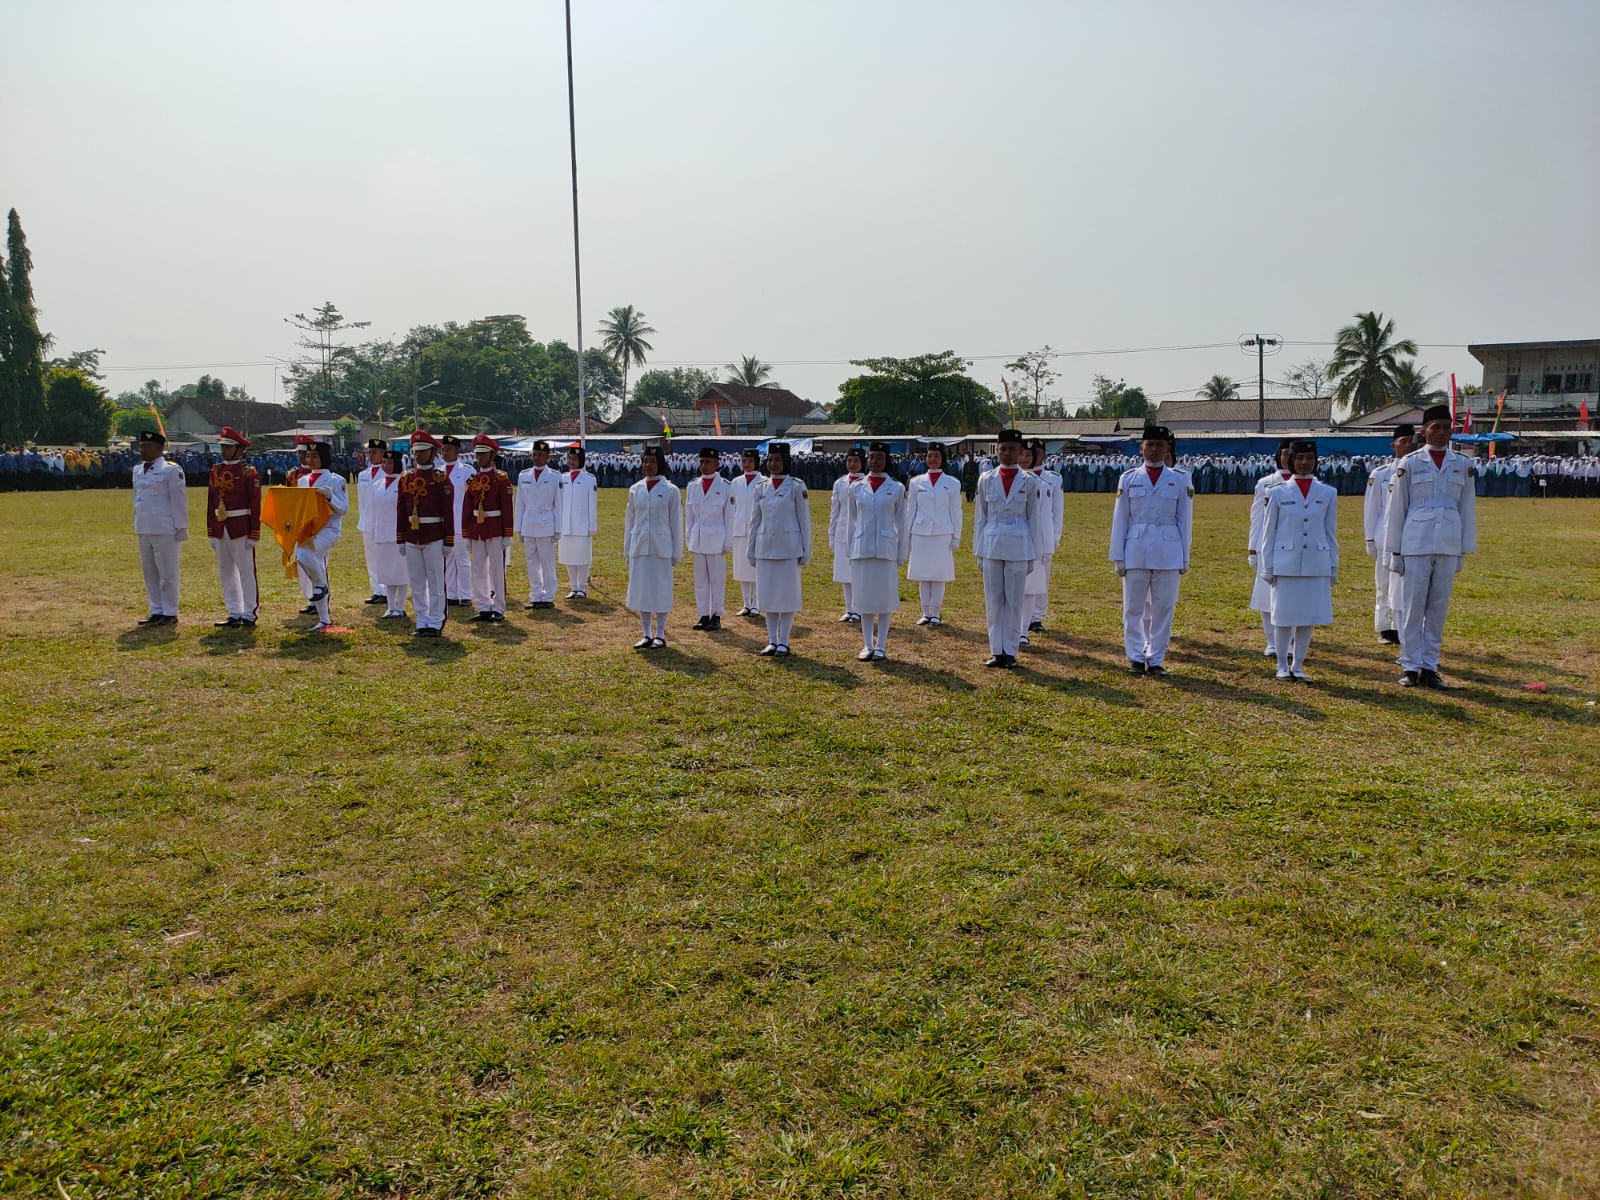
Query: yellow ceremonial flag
295, 515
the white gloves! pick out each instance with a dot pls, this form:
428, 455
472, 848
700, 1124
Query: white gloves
1397, 564
1121, 570
216, 544
1372, 549
1252, 560
1460, 559
402, 549
1271, 579
181, 536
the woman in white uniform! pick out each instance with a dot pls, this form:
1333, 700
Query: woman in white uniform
933, 515
879, 543
1299, 558
1036, 588
1260, 594
839, 527
652, 541
388, 565
744, 568
579, 521
780, 545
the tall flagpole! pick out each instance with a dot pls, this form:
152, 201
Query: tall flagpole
577, 264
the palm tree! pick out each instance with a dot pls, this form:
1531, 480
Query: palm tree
624, 332
1366, 361
1219, 387
1413, 385
752, 372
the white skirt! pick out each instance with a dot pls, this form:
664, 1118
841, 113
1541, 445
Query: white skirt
649, 584
841, 563
1302, 600
576, 550
875, 585
1038, 581
388, 567
778, 585
1260, 596
931, 558
744, 570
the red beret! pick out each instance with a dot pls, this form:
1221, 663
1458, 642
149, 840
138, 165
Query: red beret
423, 438
229, 434
483, 441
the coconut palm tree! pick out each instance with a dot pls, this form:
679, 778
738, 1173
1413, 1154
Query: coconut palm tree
624, 331
1365, 361
1219, 387
1413, 385
751, 372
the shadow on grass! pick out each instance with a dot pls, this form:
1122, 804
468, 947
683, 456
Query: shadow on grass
505, 635
1076, 685
926, 676
311, 647
228, 641
145, 638
1228, 690
799, 663
671, 658
434, 650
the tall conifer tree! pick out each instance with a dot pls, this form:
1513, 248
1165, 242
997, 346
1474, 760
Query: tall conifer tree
25, 345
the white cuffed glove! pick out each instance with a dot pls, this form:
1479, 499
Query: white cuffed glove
402, 549
1271, 579
1372, 549
1252, 560
181, 536
1397, 564
1460, 561
216, 544
1121, 570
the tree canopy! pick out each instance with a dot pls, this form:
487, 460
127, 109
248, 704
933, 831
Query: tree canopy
1365, 360
929, 394
1115, 399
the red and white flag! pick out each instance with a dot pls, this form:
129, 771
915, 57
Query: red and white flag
1583, 413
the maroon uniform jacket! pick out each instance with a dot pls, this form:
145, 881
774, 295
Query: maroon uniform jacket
428, 501
233, 501
488, 492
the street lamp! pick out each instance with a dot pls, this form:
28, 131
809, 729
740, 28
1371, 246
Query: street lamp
416, 395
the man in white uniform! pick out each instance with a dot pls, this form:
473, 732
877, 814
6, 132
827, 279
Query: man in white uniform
457, 558
580, 521
370, 473
538, 509
1151, 531
1008, 533
708, 535
1373, 510
1431, 524
161, 523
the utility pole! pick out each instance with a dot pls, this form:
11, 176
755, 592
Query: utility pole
1259, 343
577, 265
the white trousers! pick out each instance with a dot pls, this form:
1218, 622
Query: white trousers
488, 558
710, 584
369, 546
312, 558
158, 555
425, 566
236, 563
1149, 601
1424, 603
540, 555
458, 569
1003, 580
1383, 616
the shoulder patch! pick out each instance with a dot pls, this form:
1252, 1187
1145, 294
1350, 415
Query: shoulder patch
1399, 470
1119, 489
1191, 491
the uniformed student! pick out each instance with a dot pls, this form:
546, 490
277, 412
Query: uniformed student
652, 542
580, 521
1385, 583
1008, 533
708, 535
1431, 524
855, 465
880, 541
458, 558
1036, 587
161, 523
537, 524
388, 564
370, 473
487, 518
1151, 531
1299, 558
312, 556
933, 514
743, 501
780, 546
425, 528
304, 450
233, 525
1260, 595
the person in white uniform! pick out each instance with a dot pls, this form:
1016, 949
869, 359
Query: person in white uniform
743, 502
1374, 507
855, 465
1036, 587
1432, 523
1299, 558
780, 546
370, 473
538, 511
1260, 594
580, 521
161, 523
880, 541
933, 514
233, 527
312, 556
1008, 529
652, 542
457, 558
1151, 531
708, 535
385, 562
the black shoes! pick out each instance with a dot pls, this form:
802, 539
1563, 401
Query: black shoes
1410, 679
1135, 667
1003, 662
644, 643
1392, 636
159, 619
486, 615
770, 650
229, 623
1035, 626
1430, 679
376, 599
309, 610
1155, 669
716, 624
702, 624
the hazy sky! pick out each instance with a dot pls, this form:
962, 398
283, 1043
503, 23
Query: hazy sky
811, 181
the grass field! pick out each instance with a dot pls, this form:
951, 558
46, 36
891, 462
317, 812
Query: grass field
525, 913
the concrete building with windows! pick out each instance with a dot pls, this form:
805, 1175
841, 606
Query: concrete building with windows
1546, 383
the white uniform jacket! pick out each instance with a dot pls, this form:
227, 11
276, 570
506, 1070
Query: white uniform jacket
460, 474
877, 520
1375, 505
538, 503
364, 481
708, 516
580, 506
1012, 527
780, 521
838, 519
380, 506
1258, 505
1300, 535
1054, 507
652, 524
934, 509
160, 498
333, 488
742, 498
1151, 523
1432, 510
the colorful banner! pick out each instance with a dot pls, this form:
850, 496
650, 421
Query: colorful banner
295, 515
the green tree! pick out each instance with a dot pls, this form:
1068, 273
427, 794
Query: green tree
1219, 387
1412, 385
749, 371
676, 388
126, 422
928, 394
77, 409
1365, 358
1114, 399
318, 330
1034, 375
22, 406
624, 332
